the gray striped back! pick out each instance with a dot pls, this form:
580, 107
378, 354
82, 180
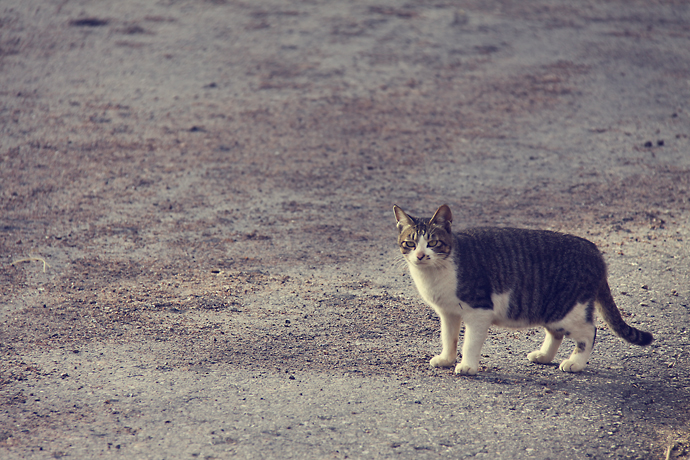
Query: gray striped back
546, 272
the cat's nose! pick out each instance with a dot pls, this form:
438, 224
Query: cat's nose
420, 255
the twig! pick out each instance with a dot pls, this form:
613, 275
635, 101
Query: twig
28, 259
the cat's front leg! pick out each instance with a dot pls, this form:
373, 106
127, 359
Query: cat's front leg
450, 328
475, 335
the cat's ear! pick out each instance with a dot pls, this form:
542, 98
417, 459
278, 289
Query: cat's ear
442, 217
403, 219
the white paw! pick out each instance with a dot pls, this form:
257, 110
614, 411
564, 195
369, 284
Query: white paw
571, 365
440, 361
538, 357
464, 369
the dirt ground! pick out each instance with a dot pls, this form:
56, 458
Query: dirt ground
197, 243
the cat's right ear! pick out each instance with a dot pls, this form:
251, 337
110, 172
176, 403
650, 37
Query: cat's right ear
403, 219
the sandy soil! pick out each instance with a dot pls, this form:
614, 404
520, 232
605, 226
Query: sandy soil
204, 190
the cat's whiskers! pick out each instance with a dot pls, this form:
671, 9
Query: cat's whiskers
399, 261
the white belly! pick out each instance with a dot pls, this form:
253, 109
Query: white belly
500, 318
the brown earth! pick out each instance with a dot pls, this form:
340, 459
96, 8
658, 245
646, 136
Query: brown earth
205, 188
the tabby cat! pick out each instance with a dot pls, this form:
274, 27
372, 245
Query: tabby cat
512, 278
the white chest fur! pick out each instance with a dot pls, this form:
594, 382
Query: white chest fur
437, 285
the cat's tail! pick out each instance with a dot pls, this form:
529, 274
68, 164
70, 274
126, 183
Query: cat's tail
612, 315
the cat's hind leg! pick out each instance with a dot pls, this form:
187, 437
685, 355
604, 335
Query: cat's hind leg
549, 348
579, 326
584, 339
450, 328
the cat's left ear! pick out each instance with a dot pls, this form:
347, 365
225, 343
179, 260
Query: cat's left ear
442, 217
403, 219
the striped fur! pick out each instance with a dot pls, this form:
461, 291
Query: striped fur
511, 278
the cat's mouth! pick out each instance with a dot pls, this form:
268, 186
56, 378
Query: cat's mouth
427, 262
421, 262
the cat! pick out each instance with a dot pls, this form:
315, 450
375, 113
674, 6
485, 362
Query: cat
511, 278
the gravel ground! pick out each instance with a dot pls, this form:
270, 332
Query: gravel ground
197, 243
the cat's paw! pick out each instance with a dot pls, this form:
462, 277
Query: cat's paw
571, 365
539, 357
465, 369
440, 361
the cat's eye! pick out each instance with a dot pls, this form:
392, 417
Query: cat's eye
433, 243
409, 244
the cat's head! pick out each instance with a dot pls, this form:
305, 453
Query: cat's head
425, 242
